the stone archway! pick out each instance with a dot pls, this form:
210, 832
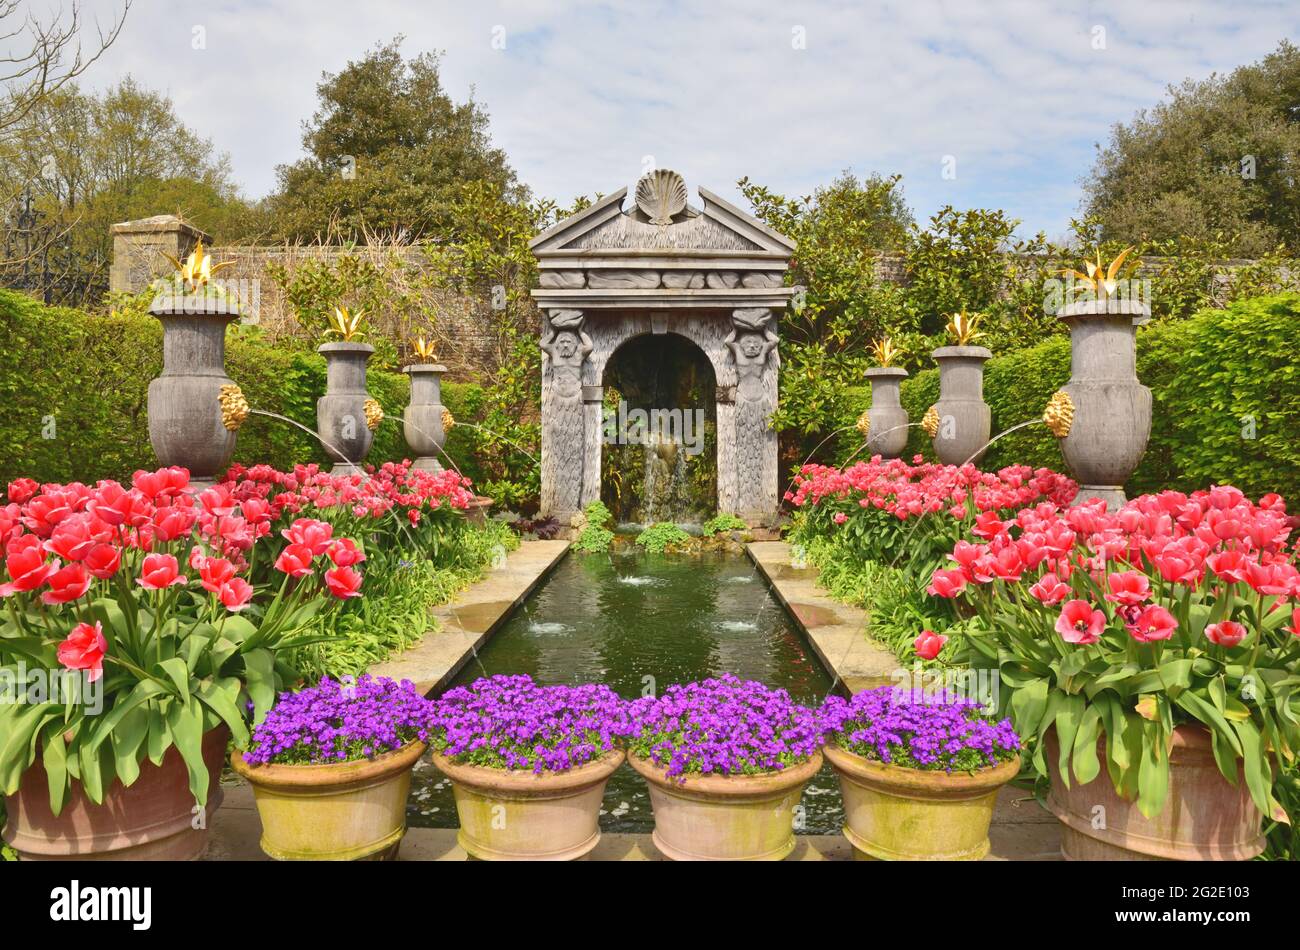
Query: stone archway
659, 452
713, 275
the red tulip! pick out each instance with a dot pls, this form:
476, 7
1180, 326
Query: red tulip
159, 572
929, 644
1128, 588
1229, 565
84, 649
343, 582
1294, 629
1049, 589
235, 594
310, 533
1227, 633
947, 583
103, 560
214, 572
295, 560
67, 584
344, 552
21, 489
1154, 623
25, 562
1080, 622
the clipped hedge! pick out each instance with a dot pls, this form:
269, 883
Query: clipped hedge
1226, 387
75, 391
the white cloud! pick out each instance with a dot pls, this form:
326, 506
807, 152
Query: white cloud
584, 90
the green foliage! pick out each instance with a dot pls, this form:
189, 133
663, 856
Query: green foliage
387, 152
83, 415
662, 536
400, 591
723, 523
92, 159
595, 537
1215, 160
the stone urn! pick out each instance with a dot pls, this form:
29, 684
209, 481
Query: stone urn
965, 422
1205, 818
341, 412
725, 817
1111, 410
887, 436
152, 819
423, 425
344, 811
522, 815
900, 814
185, 426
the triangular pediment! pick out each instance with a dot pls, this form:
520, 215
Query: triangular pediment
717, 225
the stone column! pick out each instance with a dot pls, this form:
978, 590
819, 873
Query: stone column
965, 421
887, 436
422, 424
1111, 408
341, 419
565, 348
753, 345
185, 425
138, 248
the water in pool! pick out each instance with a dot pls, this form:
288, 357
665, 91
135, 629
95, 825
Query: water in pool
640, 621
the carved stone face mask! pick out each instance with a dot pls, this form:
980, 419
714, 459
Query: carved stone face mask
566, 345
751, 345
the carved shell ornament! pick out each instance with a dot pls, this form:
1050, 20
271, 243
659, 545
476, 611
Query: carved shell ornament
374, 414
1059, 414
661, 194
448, 420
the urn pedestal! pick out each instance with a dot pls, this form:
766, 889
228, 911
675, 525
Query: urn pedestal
423, 417
1112, 410
965, 422
887, 436
341, 412
184, 405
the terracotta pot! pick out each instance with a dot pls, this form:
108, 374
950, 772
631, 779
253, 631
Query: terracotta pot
508, 815
152, 820
899, 814
725, 817
1205, 818
344, 812
477, 512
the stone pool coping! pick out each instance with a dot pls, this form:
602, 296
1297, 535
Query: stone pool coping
471, 617
836, 631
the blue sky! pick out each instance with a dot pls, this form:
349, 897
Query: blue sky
583, 95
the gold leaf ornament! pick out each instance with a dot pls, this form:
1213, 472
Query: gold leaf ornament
448, 420
374, 414
930, 421
346, 326
863, 425
234, 407
424, 349
197, 270
1102, 279
884, 351
963, 327
1059, 414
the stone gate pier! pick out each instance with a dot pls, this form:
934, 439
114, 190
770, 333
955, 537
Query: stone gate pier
713, 275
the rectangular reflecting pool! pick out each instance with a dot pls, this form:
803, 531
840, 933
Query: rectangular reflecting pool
639, 623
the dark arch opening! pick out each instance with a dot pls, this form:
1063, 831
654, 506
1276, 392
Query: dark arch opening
659, 461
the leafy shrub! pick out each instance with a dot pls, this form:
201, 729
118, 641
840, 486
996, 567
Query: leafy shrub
723, 522
661, 536
595, 538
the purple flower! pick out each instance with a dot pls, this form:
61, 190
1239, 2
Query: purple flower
917, 730
723, 726
509, 722
340, 722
